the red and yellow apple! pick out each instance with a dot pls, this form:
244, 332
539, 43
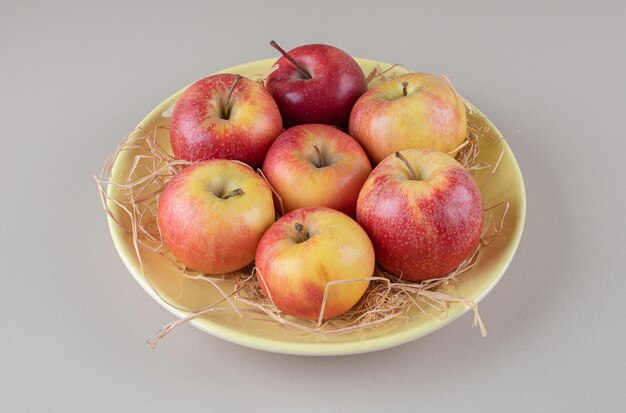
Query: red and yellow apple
317, 165
415, 110
224, 116
423, 212
316, 83
213, 214
307, 249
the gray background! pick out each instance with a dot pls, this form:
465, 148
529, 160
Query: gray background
75, 78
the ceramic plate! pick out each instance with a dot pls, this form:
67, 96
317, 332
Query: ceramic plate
175, 290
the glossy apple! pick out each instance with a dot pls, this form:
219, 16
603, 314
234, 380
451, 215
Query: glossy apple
424, 219
415, 110
308, 248
316, 83
212, 215
224, 117
317, 165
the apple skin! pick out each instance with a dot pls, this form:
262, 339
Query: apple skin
198, 131
292, 167
337, 82
294, 274
421, 229
206, 231
431, 116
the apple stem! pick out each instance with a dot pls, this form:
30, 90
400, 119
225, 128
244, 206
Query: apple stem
405, 85
227, 108
408, 165
319, 156
234, 192
303, 235
302, 70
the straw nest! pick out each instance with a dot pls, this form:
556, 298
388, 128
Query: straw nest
134, 208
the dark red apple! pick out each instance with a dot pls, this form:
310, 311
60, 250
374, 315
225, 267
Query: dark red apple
423, 213
316, 83
224, 116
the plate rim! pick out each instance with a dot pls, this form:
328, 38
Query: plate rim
312, 349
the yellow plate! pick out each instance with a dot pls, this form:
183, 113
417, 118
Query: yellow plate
504, 186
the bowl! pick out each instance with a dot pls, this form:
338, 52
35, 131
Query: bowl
177, 293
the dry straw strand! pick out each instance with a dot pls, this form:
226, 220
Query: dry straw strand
281, 205
378, 73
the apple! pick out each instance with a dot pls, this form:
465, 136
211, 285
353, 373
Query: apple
213, 214
316, 83
423, 213
412, 111
224, 116
317, 165
308, 248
